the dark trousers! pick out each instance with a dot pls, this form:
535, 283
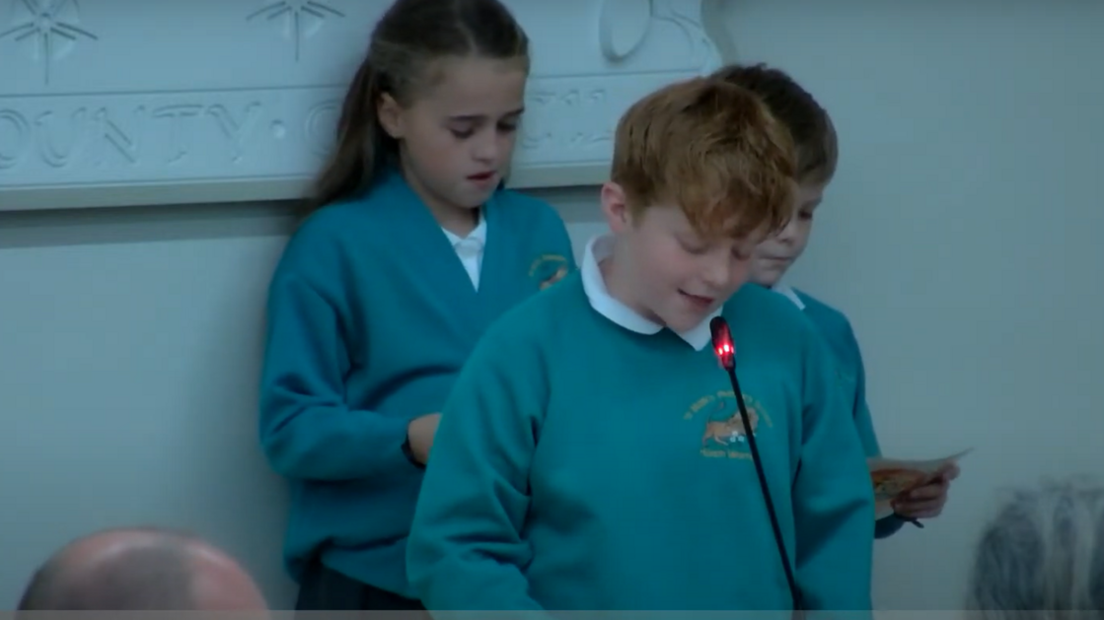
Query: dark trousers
324, 589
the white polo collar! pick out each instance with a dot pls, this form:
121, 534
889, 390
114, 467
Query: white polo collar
475, 240
598, 249
788, 292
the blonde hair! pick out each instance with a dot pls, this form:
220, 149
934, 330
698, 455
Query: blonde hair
1044, 552
712, 149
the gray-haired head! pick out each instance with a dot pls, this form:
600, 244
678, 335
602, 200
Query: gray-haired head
1043, 552
140, 569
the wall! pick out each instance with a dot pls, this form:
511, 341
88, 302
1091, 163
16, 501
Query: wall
131, 343
959, 237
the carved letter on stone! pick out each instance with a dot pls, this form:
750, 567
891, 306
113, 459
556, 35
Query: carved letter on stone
15, 143
125, 142
178, 116
240, 99
52, 129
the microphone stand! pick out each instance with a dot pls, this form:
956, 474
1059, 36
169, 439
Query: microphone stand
726, 352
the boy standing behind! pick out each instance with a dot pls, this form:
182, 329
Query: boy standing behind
591, 455
815, 139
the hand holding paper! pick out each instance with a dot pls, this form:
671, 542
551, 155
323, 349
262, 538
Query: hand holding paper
912, 489
927, 501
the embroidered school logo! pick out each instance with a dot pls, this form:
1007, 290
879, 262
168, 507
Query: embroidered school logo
548, 269
723, 431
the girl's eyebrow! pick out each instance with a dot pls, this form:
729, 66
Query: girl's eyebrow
480, 117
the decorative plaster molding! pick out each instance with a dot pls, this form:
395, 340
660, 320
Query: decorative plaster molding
237, 101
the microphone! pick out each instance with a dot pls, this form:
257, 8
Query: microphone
726, 354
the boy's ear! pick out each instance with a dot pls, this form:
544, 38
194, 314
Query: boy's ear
390, 116
615, 208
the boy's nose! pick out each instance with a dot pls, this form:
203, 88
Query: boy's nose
487, 149
787, 234
722, 278
717, 276
485, 153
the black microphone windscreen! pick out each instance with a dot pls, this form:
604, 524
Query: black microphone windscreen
719, 328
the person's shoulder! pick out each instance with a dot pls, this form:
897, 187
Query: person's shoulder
334, 218
767, 306
369, 213
347, 235
771, 322
369, 207
317, 238
827, 317
834, 326
539, 321
542, 314
816, 305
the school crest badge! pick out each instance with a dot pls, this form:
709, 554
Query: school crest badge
548, 269
723, 432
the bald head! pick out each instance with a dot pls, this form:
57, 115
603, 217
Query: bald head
141, 569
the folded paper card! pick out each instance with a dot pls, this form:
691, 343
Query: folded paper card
893, 478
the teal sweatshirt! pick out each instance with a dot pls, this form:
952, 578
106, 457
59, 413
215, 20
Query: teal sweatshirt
583, 466
371, 315
837, 331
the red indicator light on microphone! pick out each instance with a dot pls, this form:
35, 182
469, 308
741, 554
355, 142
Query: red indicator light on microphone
722, 342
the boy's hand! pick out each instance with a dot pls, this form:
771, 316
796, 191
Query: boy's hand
421, 432
927, 501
